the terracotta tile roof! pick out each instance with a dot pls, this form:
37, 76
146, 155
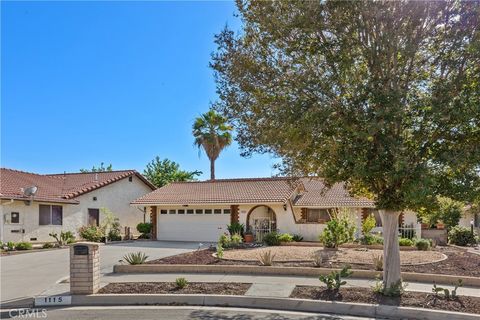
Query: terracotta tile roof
255, 190
259, 190
316, 195
58, 187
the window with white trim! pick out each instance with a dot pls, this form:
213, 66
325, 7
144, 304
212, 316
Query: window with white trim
317, 216
50, 215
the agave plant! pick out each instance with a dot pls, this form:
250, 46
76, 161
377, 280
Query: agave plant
135, 258
266, 258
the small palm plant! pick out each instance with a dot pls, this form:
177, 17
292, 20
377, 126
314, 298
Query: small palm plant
181, 283
135, 258
213, 134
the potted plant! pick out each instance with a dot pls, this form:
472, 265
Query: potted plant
248, 236
440, 225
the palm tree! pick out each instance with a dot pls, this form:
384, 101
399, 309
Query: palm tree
212, 132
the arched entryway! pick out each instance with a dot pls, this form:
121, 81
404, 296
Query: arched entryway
261, 220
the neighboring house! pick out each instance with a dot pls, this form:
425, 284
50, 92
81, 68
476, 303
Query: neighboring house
34, 205
201, 210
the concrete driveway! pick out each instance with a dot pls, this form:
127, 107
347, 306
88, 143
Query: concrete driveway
29, 274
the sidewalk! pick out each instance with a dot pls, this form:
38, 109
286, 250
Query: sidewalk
263, 286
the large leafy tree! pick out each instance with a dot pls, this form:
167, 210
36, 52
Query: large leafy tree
212, 133
384, 95
163, 171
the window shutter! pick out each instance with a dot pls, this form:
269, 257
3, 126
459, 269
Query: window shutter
400, 219
365, 213
303, 214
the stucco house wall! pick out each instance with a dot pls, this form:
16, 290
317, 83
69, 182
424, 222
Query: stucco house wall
116, 197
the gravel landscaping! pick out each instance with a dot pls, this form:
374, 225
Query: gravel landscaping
343, 255
459, 262
238, 289
408, 299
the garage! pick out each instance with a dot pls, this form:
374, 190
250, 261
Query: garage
203, 225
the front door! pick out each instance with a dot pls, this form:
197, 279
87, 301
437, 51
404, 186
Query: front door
93, 217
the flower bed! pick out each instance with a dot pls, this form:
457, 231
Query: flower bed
171, 288
458, 262
408, 299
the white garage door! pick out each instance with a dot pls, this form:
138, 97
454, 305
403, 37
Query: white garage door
202, 225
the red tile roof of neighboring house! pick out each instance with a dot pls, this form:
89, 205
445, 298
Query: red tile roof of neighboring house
58, 187
254, 190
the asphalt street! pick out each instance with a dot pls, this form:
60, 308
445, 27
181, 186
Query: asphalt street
168, 313
28, 274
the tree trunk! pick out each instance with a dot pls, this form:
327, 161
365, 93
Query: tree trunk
391, 248
212, 169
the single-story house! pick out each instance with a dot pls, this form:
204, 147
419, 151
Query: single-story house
34, 205
201, 210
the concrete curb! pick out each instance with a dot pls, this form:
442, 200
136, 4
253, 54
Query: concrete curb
287, 271
26, 302
287, 304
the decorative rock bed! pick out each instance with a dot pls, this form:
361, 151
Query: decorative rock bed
342, 255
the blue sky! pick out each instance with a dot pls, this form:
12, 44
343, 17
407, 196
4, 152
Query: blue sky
118, 82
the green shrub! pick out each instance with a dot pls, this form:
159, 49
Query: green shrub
24, 246
48, 245
91, 233
225, 241
236, 239
181, 283
219, 251
236, 228
405, 242
422, 244
144, 227
114, 234
368, 224
371, 239
285, 237
297, 238
135, 258
66, 237
462, 236
272, 239
337, 232
334, 279
10, 245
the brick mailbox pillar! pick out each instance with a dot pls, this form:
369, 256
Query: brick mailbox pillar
84, 268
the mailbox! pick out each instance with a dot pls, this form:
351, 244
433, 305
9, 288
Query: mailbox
80, 250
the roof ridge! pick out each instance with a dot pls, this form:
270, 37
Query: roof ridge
79, 173
21, 171
240, 179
